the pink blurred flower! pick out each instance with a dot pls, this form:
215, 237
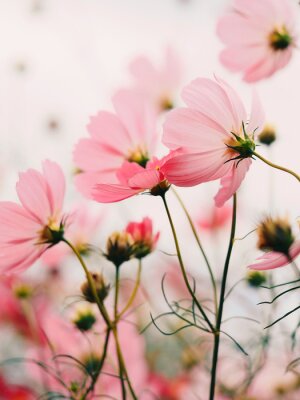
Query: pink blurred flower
143, 237
80, 233
13, 311
273, 259
212, 136
167, 388
129, 135
215, 218
27, 230
158, 84
132, 179
259, 36
15, 392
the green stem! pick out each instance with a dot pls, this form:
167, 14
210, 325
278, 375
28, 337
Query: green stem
96, 376
221, 304
276, 166
134, 292
122, 364
91, 282
121, 369
212, 278
182, 266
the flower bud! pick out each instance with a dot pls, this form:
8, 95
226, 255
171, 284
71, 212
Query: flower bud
119, 248
143, 239
275, 234
267, 135
23, 291
255, 278
84, 319
101, 288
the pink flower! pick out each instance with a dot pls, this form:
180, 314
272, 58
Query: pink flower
274, 259
158, 84
27, 230
128, 135
142, 235
133, 179
212, 137
259, 36
15, 392
215, 218
80, 233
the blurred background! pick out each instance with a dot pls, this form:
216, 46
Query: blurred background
60, 63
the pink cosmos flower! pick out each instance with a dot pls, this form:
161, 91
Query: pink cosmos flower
215, 218
143, 237
259, 36
274, 259
213, 137
275, 235
27, 230
15, 392
158, 84
80, 233
128, 135
132, 179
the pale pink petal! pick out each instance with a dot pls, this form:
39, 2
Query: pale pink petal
145, 180
127, 171
85, 181
32, 191
236, 29
262, 69
55, 181
247, 56
237, 107
108, 130
190, 129
273, 260
209, 98
232, 181
18, 257
195, 168
90, 155
104, 193
257, 117
138, 116
16, 223
172, 70
143, 70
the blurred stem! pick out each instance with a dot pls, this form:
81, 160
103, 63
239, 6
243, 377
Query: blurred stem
134, 292
212, 278
276, 166
182, 266
91, 282
110, 325
221, 303
104, 354
115, 331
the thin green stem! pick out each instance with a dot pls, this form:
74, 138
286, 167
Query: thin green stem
212, 278
134, 291
119, 354
221, 304
276, 166
183, 268
122, 363
99, 369
91, 282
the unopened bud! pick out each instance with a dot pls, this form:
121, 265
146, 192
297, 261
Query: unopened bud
84, 319
144, 240
22, 291
255, 278
101, 288
267, 135
119, 248
275, 234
